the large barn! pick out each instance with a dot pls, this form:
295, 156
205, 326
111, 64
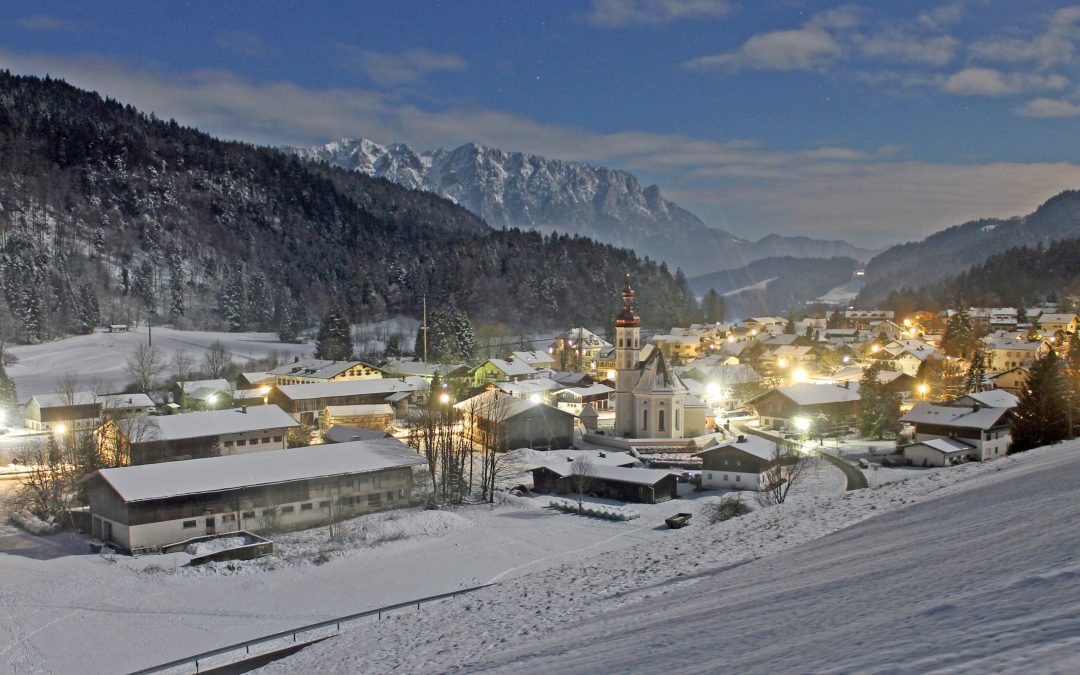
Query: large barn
141, 508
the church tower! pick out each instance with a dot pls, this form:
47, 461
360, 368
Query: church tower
627, 348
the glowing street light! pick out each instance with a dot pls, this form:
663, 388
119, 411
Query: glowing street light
265, 391
731, 338
534, 398
876, 348
611, 374
782, 362
800, 375
60, 429
444, 398
923, 389
212, 400
802, 424
712, 390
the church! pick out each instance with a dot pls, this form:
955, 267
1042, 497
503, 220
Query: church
651, 401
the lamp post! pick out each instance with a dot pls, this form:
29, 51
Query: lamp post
212, 400
265, 391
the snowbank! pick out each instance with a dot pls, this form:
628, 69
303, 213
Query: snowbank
32, 523
215, 545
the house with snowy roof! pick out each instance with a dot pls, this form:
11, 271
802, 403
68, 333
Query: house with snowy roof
1012, 350
984, 430
537, 358
736, 464
77, 411
651, 400
574, 399
503, 370
839, 403
142, 508
314, 371
1050, 324
626, 484
198, 434
577, 348
510, 422
306, 401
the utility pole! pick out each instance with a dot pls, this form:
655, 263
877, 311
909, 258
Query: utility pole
150, 329
425, 329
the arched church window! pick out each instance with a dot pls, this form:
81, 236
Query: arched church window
660, 421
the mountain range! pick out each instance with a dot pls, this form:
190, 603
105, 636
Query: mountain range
515, 189
947, 253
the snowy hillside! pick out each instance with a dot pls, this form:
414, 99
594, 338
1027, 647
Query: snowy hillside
515, 189
969, 569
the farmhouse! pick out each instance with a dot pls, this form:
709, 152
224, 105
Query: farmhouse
512, 422
77, 411
306, 401
738, 464
314, 371
141, 508
198, 434
645, 486
837, 402
500, 370
984, 429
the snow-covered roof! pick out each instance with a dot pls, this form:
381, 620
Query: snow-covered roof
1057, 318
965, 417
539, 385
124, 401
592, 390
419, 368
218, 422
994, 398
297, 392
319, 369
790, 350
752, 445
512, 368
258, 378
231, 472
614, 473
219, 384
808, 393
656, 376
361, 410
528, 458
538, 357
62, 400
494, 404
946, 446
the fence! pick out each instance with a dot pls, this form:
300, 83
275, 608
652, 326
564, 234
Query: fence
298, 635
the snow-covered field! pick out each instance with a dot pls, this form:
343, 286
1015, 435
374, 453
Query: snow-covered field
968, 569
59, 603
949, 572
101, 356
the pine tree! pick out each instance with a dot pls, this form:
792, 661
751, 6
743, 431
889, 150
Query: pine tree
334, 340
959, 337
1072, 356
714, 307
1043, 415
879, 409
464, 335
289, 323
976, 372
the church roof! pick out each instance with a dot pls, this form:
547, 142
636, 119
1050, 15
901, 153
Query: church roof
658, 377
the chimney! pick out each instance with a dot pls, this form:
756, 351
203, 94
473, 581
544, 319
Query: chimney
847, 384
976, 406
296, 359
740, 439
243, 409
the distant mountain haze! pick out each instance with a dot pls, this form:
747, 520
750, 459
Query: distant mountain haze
515, 189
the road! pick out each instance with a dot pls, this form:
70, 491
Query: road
855, 478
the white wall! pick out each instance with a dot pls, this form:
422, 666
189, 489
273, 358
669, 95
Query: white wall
730, 480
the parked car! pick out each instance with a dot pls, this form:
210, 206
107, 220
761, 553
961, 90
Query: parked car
678, 520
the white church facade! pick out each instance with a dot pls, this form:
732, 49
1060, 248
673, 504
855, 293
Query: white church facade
651, 401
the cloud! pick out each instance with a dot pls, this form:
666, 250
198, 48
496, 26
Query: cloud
243, 43
1048, 108
975, 81
44, 22
941, 17
621, 13
868, 196
897, 46
1051, 48
807, 48
389, 69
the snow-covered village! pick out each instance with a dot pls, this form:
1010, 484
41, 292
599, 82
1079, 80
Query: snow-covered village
364, 340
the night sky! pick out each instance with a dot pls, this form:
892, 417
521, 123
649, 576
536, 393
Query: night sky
872, 122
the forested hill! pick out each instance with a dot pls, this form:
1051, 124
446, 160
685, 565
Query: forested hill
107, 214
1018, 277
951, 251
775, 285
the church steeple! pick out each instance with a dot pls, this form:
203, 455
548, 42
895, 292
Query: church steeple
627, 350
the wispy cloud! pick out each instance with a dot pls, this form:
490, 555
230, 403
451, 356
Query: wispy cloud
44, 22
1048, 108
895, 45
807, 48
975, 81
243, 43
1054, 46
385, 68
622, 13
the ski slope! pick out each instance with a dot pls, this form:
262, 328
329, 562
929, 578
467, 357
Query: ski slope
973, 575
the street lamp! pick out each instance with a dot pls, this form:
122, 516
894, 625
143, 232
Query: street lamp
800, 375
265, 391
802, 424
923, 389
60, 429
444, 398
534, 398
212, 400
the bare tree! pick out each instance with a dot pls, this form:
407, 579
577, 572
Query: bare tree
786, 470
485, 424
183, 364
432, 433
217, 361
582, 475
144, 367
